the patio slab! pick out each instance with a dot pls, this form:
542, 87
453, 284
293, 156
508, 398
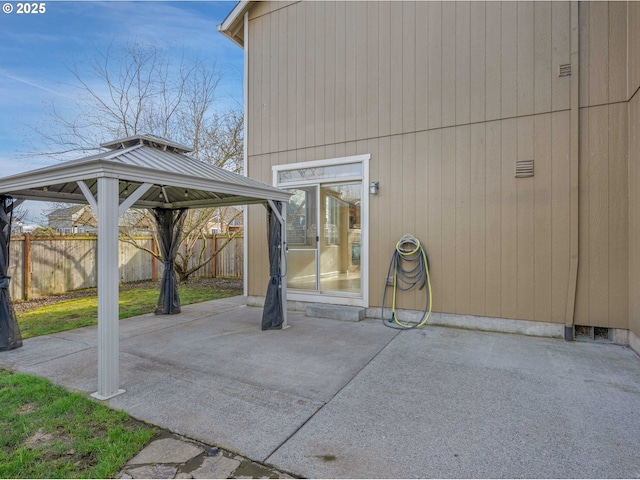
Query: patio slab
332, 399
448, 403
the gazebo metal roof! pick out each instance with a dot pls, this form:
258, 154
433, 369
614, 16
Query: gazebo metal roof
178, 181
143, 171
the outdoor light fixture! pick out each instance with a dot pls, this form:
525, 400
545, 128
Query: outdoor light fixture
186, 193
126, 189
373, 188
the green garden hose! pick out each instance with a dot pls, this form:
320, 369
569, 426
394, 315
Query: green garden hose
410, 267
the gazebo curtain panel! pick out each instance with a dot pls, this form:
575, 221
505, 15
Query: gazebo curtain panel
169, 224
272, 315
10, 337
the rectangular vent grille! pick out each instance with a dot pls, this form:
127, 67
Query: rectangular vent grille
524, 168
564, 70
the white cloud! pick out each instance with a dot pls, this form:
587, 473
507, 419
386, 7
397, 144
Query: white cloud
33, 84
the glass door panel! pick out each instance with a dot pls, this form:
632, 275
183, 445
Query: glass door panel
340, 238
302, 235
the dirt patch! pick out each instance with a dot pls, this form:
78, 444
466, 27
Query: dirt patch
42, 438
224, 284
27, 408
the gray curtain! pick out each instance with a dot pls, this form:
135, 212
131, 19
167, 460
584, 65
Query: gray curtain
169, 224
272, 315
10, 337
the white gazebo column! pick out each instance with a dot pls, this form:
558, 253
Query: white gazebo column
108, 281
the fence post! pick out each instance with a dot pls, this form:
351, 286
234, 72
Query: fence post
214, 266
26, 267
154, 260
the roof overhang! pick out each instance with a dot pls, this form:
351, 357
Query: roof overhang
233, 26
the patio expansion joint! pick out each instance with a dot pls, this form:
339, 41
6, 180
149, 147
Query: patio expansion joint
159, 329
325, 403
58, 357
164, 363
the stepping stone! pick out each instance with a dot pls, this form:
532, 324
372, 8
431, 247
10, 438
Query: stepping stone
216, 467
153, 471
166, 450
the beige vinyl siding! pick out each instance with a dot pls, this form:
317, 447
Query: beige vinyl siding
603, 218
542, 212
602, 297
480, 225
446, 97
560, 219
603, 52
634, 165
543, 56
633, 30
477, 217
382, 73
634, 206
560, 54
477, 65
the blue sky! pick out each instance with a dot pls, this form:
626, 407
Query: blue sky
34, 49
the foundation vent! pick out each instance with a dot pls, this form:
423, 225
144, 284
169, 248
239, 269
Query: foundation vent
524, 168
597, 334
564, 70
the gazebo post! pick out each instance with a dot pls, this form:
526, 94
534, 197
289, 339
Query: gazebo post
283, 263
108, 335
164, 182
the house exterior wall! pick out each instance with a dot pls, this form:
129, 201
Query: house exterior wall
633, 92
602, 295
446, 97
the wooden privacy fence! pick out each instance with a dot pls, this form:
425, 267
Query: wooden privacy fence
41, 266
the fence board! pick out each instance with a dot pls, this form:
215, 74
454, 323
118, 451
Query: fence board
63, 263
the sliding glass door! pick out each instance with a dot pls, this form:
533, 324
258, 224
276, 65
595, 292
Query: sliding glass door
325, 229
302, 239
340, 241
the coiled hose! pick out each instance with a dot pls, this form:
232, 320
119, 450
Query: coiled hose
410, 267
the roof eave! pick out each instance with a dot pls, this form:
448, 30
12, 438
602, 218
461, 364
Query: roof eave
233, 26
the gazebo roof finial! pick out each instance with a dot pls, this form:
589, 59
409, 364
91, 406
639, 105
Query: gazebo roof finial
149, 140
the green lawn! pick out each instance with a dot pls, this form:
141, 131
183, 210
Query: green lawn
47, 432
81, 312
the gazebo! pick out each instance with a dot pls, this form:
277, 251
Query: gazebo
142, 171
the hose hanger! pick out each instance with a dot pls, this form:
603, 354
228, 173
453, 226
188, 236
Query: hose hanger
409, 268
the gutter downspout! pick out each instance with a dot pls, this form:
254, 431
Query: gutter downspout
245, 155
574, 174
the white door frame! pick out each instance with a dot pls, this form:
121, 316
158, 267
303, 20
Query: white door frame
334, 298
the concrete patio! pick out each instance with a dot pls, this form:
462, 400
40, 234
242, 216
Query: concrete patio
331, 399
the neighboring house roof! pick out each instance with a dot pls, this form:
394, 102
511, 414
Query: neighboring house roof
82, 215
231, 217
135, 219
66, 211
73, 216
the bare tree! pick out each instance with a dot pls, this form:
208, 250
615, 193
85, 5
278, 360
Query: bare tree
19, 214
134, 89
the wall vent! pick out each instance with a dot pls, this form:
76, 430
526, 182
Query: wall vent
524, 168
597, 334
564, 70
